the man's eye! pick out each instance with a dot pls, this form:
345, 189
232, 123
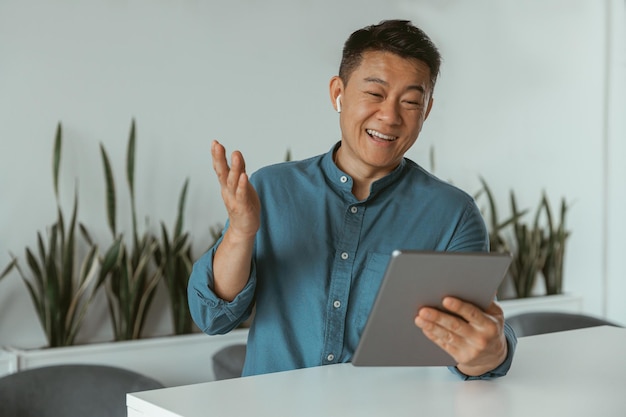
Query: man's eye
373, 94
413, 104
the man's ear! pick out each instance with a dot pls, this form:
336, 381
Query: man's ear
336, 90
430, 106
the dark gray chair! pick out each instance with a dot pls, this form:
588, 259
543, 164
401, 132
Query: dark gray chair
70, 391
228, 362
528, 324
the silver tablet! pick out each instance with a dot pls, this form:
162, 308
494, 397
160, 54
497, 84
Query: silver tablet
416, 279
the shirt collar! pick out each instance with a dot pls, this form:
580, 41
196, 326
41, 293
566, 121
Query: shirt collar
341, 181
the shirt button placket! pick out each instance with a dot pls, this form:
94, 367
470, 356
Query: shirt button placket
340, 282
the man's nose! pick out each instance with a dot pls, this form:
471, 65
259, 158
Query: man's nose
389, 112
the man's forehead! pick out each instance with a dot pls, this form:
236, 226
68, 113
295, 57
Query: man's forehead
373, 65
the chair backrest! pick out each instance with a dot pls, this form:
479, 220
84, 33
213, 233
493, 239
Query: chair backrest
70, 391
528, 324
228, 362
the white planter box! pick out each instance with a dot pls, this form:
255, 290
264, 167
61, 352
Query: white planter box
561, 302
173, 360
8, 363
187, 359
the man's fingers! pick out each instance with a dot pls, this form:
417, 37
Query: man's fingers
241, 193
440, 324
237, 167
220, 165
228, 177
237, 161
448, 340
453, 334
469, 312
474, 338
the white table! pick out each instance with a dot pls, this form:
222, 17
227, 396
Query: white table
574, 373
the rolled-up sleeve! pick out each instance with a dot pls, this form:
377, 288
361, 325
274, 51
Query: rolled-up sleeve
212, 314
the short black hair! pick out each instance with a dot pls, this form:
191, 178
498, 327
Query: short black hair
396, 36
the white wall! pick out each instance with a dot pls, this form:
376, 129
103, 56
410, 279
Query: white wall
530, 97
615, 166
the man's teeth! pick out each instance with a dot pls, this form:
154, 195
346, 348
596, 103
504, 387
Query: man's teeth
380, 135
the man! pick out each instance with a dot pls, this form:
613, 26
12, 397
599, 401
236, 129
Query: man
307, 242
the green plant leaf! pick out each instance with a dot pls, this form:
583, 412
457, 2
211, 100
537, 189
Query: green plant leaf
39, 305
41, 247
145, 301
563, 212
51, 295
130, 177
513, 219
540, 209
528, 258
8, 268
181, 209
492, 204
56, 160
60, 229
165, 241
86, 235
110, 190
130, 160
35, 268
142, 263
76, 311
180, 244
513, 203
89, 267
68, 249
112, 259
113, 312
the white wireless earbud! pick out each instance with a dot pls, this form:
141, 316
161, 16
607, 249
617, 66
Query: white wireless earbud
338, 103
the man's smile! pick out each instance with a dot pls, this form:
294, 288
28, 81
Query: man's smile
377, 135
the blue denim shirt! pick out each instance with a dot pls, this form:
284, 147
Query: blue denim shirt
320, 255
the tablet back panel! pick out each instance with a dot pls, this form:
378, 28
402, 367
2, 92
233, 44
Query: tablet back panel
416, 279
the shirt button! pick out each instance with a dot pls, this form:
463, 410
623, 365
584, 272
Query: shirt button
344, 255
337, 304
354, 209
330, 357
343, 179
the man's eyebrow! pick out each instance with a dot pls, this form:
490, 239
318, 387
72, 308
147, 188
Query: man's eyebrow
376, 80
380, 81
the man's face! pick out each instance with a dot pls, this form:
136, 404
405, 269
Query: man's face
383, 106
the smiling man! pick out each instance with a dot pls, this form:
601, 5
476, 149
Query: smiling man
307, 242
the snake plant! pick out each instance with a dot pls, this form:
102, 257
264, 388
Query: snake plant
60, 289
529, 257
173, 256
127, 271
553, 246
537, 248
